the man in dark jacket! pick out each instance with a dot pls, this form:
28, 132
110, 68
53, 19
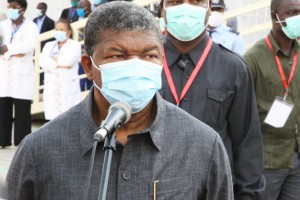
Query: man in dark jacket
213, 84
71, 13
43, 22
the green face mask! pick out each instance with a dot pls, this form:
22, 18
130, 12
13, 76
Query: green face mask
186, 22
74, 3
162, 24
292, 28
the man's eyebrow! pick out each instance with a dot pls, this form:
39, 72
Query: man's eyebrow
151, 48
110, 49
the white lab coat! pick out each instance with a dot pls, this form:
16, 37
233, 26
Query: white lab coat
61, 86
17, 73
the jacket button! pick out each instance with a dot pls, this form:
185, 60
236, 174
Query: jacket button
126, 175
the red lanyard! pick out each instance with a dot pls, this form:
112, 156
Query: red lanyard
192, 77
283, 79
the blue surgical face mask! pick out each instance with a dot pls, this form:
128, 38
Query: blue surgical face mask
132, 81
186, 22
60, 36
292, 28
13, 14
80, 12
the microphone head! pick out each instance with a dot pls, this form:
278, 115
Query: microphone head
125, 107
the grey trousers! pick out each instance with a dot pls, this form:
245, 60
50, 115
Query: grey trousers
283, 184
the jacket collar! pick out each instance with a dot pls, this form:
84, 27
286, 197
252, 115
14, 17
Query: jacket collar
172, 53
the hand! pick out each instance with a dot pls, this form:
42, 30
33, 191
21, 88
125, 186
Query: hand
64, 67
19, 55
55, 59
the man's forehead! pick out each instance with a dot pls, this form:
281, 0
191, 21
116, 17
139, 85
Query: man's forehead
42, 6
289, 6
109, 31
83, 4
289, 3
13, 3
113, 37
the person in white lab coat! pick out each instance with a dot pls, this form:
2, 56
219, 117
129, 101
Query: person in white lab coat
60, 59
16, 73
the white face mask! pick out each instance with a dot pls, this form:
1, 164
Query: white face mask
38, 13
215, 19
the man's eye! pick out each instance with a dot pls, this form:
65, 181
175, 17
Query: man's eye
151, 56
175, 2
117, 56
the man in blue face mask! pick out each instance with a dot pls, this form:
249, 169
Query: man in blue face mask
161, 153
213, 84
84, 9
71, 13
275, 68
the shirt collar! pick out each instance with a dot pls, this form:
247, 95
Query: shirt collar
88, 126
196, 53
172, 53
219, 29
41, 19
157, 128
295, 45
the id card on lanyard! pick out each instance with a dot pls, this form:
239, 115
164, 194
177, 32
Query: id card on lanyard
279, 112
192, 77
281, 109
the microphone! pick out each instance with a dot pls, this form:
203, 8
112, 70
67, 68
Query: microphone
118, 113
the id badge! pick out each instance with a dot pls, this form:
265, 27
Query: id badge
279, 112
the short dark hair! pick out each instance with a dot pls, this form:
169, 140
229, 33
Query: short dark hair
22, 3
118, 16
44, 5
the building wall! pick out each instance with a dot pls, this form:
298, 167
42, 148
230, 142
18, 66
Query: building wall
251, 19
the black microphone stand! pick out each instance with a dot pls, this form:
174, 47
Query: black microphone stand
109, 147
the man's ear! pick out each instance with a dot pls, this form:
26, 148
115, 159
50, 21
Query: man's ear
87, 66
161, 5
273, 16
22, 11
